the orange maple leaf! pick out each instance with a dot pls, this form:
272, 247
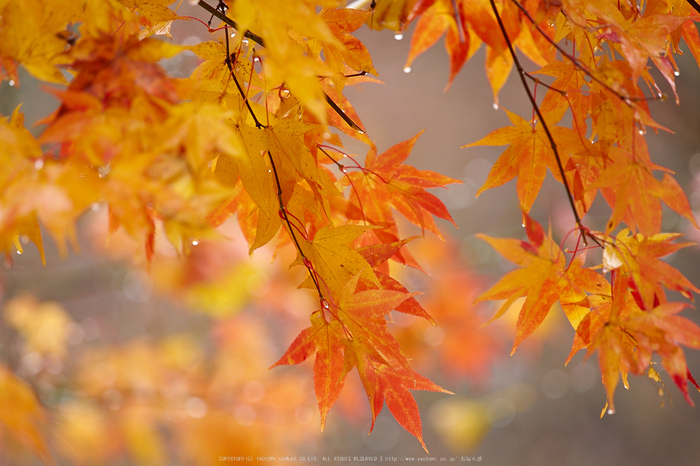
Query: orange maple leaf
635, 195
639, 257
387, 182
353, 333
528, 157
544, 278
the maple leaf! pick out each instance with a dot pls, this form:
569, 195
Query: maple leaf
639, 257
393, 14
154, 15
22, 416
629, 186
662, 331
386, 182
346, 50
30, 35
528, 157
644, 38
566, 92
432, 24
332, 258
544, 278
353, 333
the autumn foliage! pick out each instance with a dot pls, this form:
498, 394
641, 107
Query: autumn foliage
253, 135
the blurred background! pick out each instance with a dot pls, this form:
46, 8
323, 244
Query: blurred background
169, 365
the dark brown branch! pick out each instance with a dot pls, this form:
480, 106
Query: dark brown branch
695, 5
522, 73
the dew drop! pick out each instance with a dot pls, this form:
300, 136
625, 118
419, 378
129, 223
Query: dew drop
195, 242
407, 69
523, 224
233, 34
39, 164
495, 106
95, 206
611, 411
641, 132
325, 304
284, 93
11, 82
677, 73
245, 41
19, 252
103, 170
326, 135
398, 36
193, 2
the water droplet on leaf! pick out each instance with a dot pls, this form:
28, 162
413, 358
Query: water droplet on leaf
677, 73
39, 164
495, 106
398, 36
195, 242
11, 82
233, 34
407, 69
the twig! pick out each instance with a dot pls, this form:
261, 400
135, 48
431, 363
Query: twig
522, 73
250, 35
238, 85
283, 213
626, 99
259, 40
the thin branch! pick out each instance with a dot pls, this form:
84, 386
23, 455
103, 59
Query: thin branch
238, 85
283, 213
250, 35
626, 99
259, 40
522, 73
695, 5
342, 114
